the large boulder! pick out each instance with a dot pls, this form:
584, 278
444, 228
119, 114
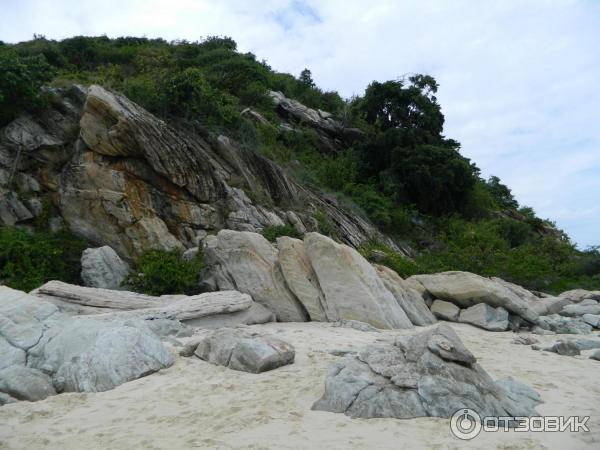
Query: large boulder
247, 262
427, 374
102, 268
25, 383
564, 325
467, 289
592, 319
580, 310
10, 355
578, 295
486, 317
242, 350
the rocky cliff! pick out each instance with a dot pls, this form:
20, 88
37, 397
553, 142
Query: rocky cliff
118, 176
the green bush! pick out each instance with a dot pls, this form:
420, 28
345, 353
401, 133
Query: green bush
29, 259
402, 266
161, 272
272, 233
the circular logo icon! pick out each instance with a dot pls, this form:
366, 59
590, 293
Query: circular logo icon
465, 424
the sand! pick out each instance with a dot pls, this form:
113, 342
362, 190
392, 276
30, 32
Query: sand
197, 405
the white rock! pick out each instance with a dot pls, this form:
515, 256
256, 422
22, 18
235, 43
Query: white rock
103, 268
445, 310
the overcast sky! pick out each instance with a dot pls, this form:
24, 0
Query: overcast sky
519, 78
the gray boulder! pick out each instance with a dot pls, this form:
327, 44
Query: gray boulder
102, 268
466, 289
578, 295
486, 317
592, 319
519, 392
190, 254
356, 325
595, 355
25, 383
242, 350
10, 355
565, 348
564, 325
445, 310
427, 374
5, 399
580, 310
585, 344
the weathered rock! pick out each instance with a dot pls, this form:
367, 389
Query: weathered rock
466, 289
10, 355
5, 399
592, 319
410, 301
350, 285
87, 355
190, 254
427, 374
595, 355
241, 350
585, 344
580, 310
515, 323
541, 331
524, 340
486, 317
256, 314
565, 348
25, 383
356, 325
588, 302
578, 295
550, 305
102, 268
519, 392
564, 325
248, 262
445, 310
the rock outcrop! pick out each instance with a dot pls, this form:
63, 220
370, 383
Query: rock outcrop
426, 374
119, 176
314, 279
486, 317
243, 350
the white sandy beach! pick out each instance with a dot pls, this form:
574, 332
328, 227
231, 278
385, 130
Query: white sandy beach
197, 405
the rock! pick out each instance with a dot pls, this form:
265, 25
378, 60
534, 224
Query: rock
578, 295
10, 355
190, 254
351, 286
519, 392
169, 328
12, 210
248, 262
580, 310
356, 325
588, 302
542, 332
427, 374
515, 322
102, 268
585, 344
592, 319
256, 314
550, 305
241, 350
87, 355
595, 355
25, 383
5, 399
377, 256
565, 348
445, 310
564, 325
525, 340
410, 301
466, 289
486, 317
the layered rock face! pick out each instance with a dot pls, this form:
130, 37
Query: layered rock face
121, 177
314, 279
426, 374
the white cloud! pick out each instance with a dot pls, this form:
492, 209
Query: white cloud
519, 80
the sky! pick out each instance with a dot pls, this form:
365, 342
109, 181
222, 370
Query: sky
519, 79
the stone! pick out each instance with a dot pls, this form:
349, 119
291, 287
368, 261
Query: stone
190, 254
550, 305
592, 319
86, 355
580, 309
10, 355
351, 286
256, 314
103, 268
427, 374
542, 332
25, 383
523, 339
356, 325
578, 295
411, 301
564, 325
585, 344
595, 355
466, 289
245, 351
247, 262
445, 310
5, 399
565, 348
486, 317
588, 302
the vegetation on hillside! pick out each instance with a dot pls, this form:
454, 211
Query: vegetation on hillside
404, 174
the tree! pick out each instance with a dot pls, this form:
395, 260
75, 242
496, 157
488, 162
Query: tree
306, 79
501, 193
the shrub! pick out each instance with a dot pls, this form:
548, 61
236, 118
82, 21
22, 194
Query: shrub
272, 233
29, 259
402, 266
163, 272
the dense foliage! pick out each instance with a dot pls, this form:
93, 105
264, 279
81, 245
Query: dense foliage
28, 259
404, 174
272, 233
161, 272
